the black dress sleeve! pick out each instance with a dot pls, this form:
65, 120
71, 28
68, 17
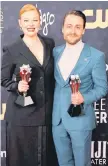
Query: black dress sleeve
7, 71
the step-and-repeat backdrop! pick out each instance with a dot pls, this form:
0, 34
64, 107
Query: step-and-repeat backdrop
96, 35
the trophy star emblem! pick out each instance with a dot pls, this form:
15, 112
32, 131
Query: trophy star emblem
27, 68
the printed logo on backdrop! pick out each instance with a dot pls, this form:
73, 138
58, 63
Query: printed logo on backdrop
98, 23
100, 156
1, 21
3, 154
100, 111
47, 19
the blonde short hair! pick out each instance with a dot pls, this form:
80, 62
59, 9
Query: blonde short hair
28, 7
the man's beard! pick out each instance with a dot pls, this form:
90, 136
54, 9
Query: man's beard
72, 42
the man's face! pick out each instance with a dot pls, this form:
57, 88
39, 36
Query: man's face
73, 29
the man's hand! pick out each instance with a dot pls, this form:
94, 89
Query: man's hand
77, 98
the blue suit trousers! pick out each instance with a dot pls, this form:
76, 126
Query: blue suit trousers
73, 147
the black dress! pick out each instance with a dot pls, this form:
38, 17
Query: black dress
29, 135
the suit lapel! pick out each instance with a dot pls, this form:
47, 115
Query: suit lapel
25, 51
82, 61
60, 52
80, 65
46, 52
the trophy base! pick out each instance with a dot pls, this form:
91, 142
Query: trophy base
24, 101
75, 111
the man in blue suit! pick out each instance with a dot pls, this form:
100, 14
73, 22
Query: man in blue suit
72, 135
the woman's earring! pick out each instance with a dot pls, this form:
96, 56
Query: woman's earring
40, 28
20, 28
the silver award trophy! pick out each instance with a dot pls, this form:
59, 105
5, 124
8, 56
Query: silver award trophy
24, 100
75, 110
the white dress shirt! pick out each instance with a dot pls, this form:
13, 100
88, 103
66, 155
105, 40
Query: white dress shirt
69, 58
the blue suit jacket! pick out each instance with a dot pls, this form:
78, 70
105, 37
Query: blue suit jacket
91, 69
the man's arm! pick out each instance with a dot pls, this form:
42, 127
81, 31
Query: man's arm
100, 88
100, 82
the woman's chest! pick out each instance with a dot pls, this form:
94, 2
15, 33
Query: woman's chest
36, 68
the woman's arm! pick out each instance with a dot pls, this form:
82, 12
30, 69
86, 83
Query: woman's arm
7, 71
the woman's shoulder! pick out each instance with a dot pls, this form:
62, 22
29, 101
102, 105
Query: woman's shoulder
13, 45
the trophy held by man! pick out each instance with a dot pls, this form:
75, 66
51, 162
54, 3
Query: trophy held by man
75, 110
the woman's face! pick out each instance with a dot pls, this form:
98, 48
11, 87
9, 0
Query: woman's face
30, 23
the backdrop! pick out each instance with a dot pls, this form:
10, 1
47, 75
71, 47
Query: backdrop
96, 35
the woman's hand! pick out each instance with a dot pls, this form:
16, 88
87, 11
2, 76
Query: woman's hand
23, 86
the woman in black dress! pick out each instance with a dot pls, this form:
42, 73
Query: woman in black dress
29, 140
